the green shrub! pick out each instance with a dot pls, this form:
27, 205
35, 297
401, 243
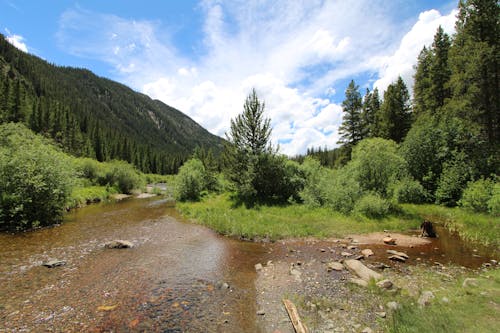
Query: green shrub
372, 205
494, 202
456, 173
375, 164
408, 191
477, 195
190, 181
313, 192
343, 191
35, 179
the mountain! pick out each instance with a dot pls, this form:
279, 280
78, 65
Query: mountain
92, 116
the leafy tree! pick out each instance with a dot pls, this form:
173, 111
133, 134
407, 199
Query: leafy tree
477, 195
395, 116
316, 180
351, 130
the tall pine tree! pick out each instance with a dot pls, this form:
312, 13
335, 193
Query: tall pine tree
351, 130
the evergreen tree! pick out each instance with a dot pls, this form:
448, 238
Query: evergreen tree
395, 115
439, 71
423, 83
351, 130
371, 106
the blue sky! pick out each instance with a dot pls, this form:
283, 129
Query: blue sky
203, 57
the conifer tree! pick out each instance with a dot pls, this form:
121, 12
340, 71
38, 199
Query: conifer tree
351, 130
395, 112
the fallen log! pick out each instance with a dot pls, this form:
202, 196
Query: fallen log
294, 317
356, 267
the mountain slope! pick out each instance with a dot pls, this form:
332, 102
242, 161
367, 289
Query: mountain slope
93, 116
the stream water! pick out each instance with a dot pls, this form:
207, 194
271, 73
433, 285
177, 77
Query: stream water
172, 280
178, 277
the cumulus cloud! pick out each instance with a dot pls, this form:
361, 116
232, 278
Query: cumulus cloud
17, 41
294, 53
402, 62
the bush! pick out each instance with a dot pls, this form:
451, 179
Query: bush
477, 195
372, 205
494, 202
313, 192
375, 164
35, 179
408, 191
343, 191
453, 180
190, 181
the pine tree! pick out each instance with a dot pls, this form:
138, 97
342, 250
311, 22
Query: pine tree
439, 71
395, 113
351, 129
371, 106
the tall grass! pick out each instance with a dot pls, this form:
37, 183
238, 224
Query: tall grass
277, 222
475, 227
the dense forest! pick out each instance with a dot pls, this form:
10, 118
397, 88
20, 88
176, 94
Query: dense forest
94, 117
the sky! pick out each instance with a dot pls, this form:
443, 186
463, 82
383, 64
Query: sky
204, 57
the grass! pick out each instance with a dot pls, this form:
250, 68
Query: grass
470, 309
474, 227
277, 222
81, 196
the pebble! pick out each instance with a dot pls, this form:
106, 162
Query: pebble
258, 267
261, 312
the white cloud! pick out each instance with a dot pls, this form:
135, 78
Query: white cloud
294, 53
17, 41
402, 62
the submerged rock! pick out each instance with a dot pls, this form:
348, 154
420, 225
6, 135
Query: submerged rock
54, 263
119, 244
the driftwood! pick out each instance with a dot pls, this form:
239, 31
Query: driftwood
356, 267
294, 317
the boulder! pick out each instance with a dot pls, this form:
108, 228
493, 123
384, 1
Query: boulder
334, 266
367, 252
425, 299
119, 244
356, 267
54, 263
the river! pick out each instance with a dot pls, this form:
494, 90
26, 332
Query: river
174, 279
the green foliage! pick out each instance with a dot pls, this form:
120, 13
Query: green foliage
456, 173
408, 190
123, 175
81, 196
190, 181
376, 164
494, 202
316, 177
477, 195
343, 191
35, 179
372, 205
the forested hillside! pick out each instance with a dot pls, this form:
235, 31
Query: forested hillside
95, 117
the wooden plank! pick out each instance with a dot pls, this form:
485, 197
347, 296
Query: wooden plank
294, 317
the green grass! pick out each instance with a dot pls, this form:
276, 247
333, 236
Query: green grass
277, 222
81, 196
471, 309
474, 227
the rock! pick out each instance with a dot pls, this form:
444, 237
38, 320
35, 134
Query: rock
119, 244
367, 330
382, 266
393, 306
54, 263
367, 253
258, 267
445, 300
352, 247
261, 312
359, 282
296, 274
469, 282
397, 258
322, 250
356, 267
385, 284
334, 266
345, 254
425, 299
381, 314
222, 285
389, 240
397, 253
359, 257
